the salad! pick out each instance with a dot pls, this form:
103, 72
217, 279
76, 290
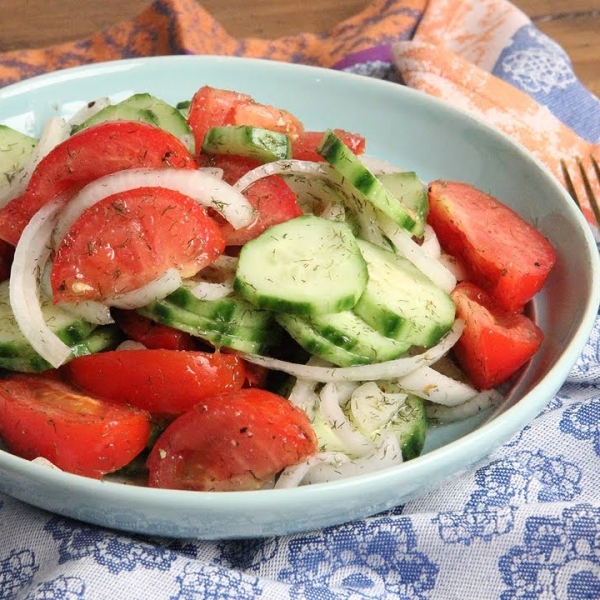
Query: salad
211, 297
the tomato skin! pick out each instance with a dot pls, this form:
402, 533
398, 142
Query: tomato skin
151, 334
213, 107
273, 199
231, 442
503, 254
41, 416
304, 147
91, 153
167, 382
495, 342
129, 239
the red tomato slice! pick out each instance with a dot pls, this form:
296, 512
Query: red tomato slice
129, 239
91, 153
231, 442
213, 107
304, 147
502, 253
151, 334
267, 117
495, 342
159, 381
273, 199
42, 416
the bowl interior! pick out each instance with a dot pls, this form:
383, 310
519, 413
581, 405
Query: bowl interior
406, 128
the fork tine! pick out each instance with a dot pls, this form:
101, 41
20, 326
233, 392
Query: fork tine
593, 200
569, 182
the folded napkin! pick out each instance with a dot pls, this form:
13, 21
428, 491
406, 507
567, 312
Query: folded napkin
525, 523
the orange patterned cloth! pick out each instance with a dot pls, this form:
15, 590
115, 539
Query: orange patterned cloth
483, 56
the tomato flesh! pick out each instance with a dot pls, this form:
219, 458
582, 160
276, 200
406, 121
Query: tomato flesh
45, 417
495, 342
150, 334
503, 254
159, 381
131, 238
304, 147
231, 442
213, 107
273, 199
91, 153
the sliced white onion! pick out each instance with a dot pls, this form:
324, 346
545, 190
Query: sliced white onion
429, 384
206, 290
331, 466
449, 414
391, 369
44, 462
157, 289
334, 211
408, 248
371, 408
87, 111
304, 395
431, 244
333, 396
284, 168
203, 187
31, 254
454, 266
55, 131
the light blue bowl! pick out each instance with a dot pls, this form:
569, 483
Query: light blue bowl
408, 129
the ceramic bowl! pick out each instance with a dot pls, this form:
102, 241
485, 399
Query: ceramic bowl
408, 129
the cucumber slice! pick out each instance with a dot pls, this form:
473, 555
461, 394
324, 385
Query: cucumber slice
253, 340
349, 332
16, 354
16, 149
306, 265
401, 302
149, 109
225, 313
375, 411
344, 161
409, 190
304, 334
252, 142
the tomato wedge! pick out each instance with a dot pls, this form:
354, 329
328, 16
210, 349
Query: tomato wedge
503, 254
273, 199
495, 342
45, 417
231, 442
304, 147
129, 239
159, 381
213, 107
91, 153
151, 334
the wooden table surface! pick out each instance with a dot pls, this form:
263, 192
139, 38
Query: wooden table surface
574, 24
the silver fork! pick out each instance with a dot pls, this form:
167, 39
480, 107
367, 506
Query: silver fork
582, 180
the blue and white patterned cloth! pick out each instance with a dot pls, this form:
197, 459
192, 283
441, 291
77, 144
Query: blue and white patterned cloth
524, 524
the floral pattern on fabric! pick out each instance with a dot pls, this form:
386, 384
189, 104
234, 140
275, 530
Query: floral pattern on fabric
524, 523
